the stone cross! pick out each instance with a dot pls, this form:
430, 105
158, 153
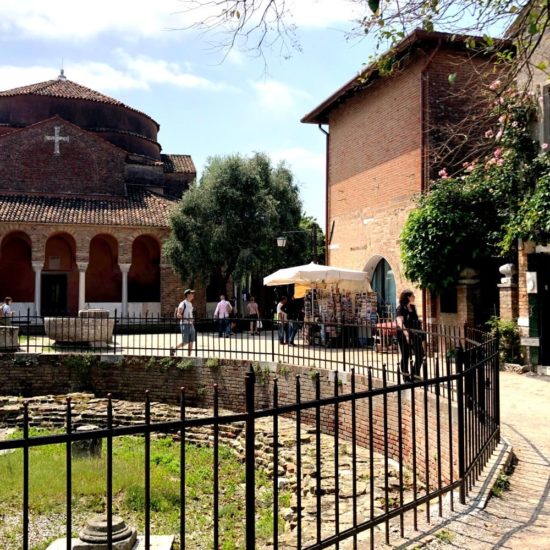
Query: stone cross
56, 138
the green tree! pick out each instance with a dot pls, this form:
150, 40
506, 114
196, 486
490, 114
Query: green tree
226, 225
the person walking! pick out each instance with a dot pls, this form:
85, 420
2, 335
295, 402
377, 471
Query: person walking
6, 312
293, 313
282, 319
222, 313
408, 336
185, 314
253, 312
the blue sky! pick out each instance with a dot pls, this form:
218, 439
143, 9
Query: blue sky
204, 106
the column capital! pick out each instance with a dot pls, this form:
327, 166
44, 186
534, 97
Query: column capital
38, 265
125, 267
82, 266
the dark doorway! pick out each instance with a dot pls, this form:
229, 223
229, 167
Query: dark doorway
54, 294
543, 287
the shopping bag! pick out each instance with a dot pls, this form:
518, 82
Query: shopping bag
259, 324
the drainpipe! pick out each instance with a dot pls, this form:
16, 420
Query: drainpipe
424, 147
326, 189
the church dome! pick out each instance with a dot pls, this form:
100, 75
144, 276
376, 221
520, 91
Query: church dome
109, 118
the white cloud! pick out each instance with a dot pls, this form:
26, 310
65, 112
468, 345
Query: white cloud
300, 159
276, 96
323, 13
67, 19
130, 72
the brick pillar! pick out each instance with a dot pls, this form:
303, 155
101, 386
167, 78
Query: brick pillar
467, 290
508, 294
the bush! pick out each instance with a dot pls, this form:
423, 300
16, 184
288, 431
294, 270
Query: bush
510, 340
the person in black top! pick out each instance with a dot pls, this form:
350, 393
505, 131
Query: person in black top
409, 339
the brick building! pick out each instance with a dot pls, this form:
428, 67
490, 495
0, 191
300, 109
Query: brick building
384, 145
85, 195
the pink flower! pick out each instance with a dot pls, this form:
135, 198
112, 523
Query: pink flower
500, 162
497, 153
544, 146
489, 134
470, 167
443, 174
494, 85
498, 135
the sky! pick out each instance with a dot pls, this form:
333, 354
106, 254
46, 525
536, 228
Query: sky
137, 52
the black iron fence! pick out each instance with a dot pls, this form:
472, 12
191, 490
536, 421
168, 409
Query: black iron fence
440, 446
333, 346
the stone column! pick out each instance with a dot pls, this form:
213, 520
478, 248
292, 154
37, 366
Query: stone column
124, 268
508, 294
82, 267
467, 290
37, 267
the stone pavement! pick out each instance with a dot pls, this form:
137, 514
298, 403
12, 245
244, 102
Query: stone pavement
520, 518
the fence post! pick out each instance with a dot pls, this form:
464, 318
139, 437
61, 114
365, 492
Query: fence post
250, 463
29, 329
461, 435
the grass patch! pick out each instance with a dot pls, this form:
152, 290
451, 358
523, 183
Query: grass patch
501, 484
48, 481
445, 536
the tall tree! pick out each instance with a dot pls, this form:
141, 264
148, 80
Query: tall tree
226, 225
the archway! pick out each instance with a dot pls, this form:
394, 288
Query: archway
16, 273
383, 282
144, 274
60, 276
103, 276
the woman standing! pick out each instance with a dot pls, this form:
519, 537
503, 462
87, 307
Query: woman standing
408, 337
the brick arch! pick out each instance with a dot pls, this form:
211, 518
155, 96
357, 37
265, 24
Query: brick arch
16, 273
144, 274
103, 267
384, 281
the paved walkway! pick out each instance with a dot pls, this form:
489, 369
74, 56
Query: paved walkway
520, 519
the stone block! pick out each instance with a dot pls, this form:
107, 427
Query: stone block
95, 313
9, 338
87, 448
70, 330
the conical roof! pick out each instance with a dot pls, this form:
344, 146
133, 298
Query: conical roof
64, 88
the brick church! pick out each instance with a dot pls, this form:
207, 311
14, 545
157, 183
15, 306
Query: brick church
85, 195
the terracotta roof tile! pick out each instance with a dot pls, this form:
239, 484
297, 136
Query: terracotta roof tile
61, 87
179, 164
140, 208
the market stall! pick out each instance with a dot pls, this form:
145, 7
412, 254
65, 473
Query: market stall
334, 298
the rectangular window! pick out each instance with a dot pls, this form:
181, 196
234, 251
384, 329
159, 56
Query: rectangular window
448, 301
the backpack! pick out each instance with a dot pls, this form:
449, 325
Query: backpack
177, 313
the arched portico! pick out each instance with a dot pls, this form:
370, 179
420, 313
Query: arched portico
382, 280
144, 273
16, 273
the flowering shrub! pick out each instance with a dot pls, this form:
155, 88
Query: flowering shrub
480, 212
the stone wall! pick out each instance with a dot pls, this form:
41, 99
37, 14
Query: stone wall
129, 378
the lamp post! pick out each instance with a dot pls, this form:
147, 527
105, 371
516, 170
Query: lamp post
281, 241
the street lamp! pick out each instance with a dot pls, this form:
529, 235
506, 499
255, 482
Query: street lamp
281, 241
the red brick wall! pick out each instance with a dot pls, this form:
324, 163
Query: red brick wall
131, 376
375, 170
86, 164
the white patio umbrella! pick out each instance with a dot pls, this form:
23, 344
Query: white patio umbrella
312, 273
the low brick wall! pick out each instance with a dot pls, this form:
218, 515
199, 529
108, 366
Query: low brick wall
129, 377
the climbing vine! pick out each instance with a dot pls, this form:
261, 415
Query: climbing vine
481, 211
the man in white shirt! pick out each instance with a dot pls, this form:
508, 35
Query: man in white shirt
7, 313
187, 327
222, 312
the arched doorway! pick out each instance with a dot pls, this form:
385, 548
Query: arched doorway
144, 274
16, 273
103, 276
60, 276
383, 282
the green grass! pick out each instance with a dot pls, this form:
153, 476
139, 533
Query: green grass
48, 481
502, 484
445, 536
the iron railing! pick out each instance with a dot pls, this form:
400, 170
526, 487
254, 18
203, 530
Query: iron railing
442, 446
333, 346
